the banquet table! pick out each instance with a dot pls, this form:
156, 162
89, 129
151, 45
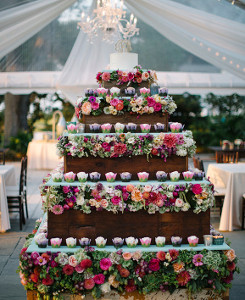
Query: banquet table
232, 178
7, 178
42, 155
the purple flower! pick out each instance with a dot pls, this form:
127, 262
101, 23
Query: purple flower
41, 261
92, 99
197, 260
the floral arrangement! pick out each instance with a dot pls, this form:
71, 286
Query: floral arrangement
161, 198
98, 272
112, 103
130, 144
135, 76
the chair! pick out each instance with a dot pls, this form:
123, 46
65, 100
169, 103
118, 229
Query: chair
219, 196
195, 162
25, 186
243, 210
200, 164
227, 156
15, 195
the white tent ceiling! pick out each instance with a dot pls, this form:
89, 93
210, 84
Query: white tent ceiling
177, 82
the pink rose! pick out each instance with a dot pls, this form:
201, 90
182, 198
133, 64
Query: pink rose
105, 264
95, 105
157, 106
106, 76
151, 101
127, 255
196, 189
99, 279
115, 200
114, 102
72, 261
89, 284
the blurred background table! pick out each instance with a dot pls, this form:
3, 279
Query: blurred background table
42, 155
232, 178
7, 178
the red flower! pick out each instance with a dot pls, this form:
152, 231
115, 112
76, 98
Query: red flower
119, 106
161, 255
153, 197
174, 254
46, 256
183, 278
120, 148
130, 76
77, 111
68, 270
23, 250
229, 278
89, 284
105, 264
130, 287
154, 151
86, 263
99, 278
154, 264
170, 140
98, 77
196, 189
138, 74
34, 278
124, 272
48, 280
231, 266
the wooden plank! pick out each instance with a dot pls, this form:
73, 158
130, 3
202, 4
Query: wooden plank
133, 165
178, 294
138, 224
128, 118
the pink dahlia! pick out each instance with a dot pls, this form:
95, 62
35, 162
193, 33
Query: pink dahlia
105, 264
197, 260
183, 278
99, 278
174, 254
120, 148
58, 209
196, 189
170, 140
154, 264
106, 76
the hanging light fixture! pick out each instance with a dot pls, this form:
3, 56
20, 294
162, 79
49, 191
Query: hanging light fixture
108, 19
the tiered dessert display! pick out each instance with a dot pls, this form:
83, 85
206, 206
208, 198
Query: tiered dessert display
142, 220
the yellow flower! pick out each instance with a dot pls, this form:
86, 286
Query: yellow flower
114, 112
108, 98
163, 102
178, 267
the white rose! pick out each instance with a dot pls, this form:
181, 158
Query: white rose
181, 152
80, 200
185, 207
105, 288
179, 202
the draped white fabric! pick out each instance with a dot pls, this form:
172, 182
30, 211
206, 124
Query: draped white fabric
20, 23
217, 40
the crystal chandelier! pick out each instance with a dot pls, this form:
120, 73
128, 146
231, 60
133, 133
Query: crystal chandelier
108, 19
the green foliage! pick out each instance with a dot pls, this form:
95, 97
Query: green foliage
19, 143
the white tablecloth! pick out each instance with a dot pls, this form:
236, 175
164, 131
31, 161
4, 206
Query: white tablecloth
7, 177
42, 155
231, 177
